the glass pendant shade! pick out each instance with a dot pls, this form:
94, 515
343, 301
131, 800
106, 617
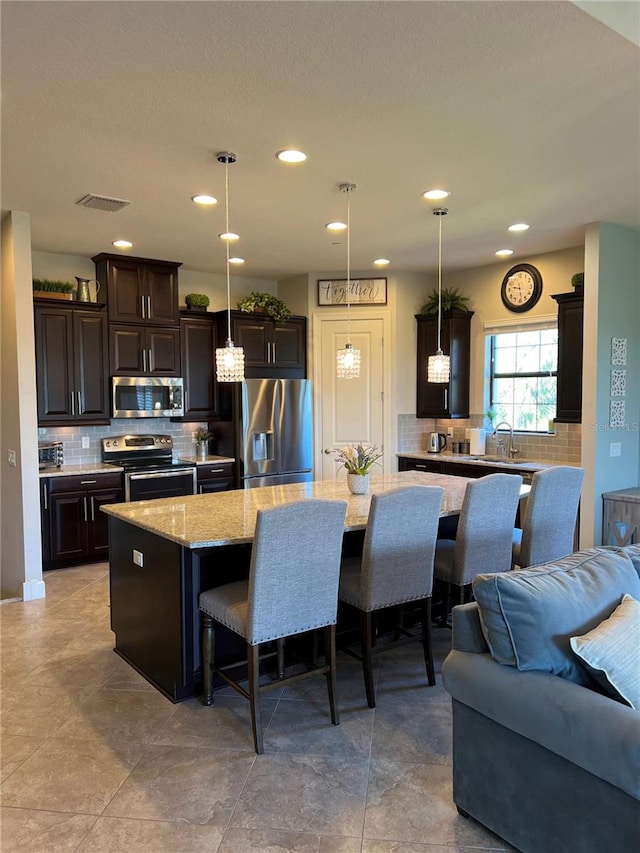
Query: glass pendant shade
438, 367
348, 362
230, 363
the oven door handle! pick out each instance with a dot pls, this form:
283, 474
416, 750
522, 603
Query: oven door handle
142, 476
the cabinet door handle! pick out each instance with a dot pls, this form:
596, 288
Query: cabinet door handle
45, 495
93, 509
87, 482
148, 307
274, 353
185, 399
446, 398
216, 470
86, 517
144, 360
150, 362
80, 410
201, 490
142, 311
73, 403
420, 466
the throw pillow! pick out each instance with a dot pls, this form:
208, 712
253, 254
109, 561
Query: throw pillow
612, 651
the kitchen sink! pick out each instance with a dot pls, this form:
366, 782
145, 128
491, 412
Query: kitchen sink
490, 459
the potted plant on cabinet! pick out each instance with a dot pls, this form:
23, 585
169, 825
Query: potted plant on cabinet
197, 301
202, 438
45, 289
451, 300
264, 303
577, 282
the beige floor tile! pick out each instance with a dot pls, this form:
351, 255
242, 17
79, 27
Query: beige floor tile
119, 835
28, 831
70, 775
28, 709
304, 793
238, 840
71, 665
14, 749
413, 732
305, 727
183, 784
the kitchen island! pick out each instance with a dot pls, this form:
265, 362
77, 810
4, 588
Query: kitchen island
163, 553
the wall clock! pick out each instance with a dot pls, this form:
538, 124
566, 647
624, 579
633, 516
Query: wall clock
521, 288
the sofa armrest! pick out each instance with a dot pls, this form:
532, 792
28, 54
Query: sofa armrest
591, 730
467, 630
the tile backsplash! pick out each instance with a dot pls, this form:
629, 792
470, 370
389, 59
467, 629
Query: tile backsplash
562, 446
75, 454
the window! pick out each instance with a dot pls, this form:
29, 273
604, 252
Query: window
523, 372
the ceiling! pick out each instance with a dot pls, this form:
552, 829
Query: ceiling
525, 111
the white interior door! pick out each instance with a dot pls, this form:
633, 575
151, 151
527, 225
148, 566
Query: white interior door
352, 410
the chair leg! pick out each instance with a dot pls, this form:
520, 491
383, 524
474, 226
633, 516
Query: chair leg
253, 659
426, 641
330, 657
208, 656
365, 642
280, 657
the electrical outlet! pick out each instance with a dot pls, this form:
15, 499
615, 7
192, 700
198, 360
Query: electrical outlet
85, 442
11, 458
615, 448
138, 558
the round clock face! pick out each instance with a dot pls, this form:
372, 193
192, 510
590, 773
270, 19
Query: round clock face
521, 288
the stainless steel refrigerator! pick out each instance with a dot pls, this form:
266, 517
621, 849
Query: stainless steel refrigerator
274, 434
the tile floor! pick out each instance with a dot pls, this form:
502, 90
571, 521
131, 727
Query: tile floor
95, 759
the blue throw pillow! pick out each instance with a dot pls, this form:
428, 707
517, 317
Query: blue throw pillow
528, 616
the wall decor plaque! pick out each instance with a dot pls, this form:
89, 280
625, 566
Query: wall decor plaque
362, 291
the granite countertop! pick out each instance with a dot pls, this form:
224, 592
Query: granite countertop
81, 470
519, 464
229, 518
207, 460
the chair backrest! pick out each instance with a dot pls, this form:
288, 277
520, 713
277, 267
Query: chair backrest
485, 531
295, 569
550, 516
399, 546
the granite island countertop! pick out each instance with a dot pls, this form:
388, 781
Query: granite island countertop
229, 518
460, 458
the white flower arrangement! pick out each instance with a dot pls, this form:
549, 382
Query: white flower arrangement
358, 459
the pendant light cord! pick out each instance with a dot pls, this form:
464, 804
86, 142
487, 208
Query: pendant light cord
226, 228
349, 265
439, 280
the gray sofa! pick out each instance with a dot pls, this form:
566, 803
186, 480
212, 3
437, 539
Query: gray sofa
542, 755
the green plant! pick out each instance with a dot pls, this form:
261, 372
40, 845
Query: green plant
197, 300
491, 414
358, 459
46, 286
451, 299
266, 302
202, 435
577, 280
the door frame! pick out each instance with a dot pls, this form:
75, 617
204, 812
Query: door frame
388, 461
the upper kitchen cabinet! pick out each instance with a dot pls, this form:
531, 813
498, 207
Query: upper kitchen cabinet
569, 396
273, 349
450, 400
198, 341
139, 290
144, 350
71, 365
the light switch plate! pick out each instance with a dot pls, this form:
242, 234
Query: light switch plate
615, 448
85, 442
11, 458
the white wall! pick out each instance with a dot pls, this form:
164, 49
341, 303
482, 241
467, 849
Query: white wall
20, 554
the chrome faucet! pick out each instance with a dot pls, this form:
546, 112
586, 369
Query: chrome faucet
513, 452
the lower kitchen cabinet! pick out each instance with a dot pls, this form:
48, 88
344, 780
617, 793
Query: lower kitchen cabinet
215, 477
459, 469
74, 530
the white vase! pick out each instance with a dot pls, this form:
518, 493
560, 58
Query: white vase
358, 483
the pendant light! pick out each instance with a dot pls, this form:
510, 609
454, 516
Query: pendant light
439, 365
229, 359
348, 359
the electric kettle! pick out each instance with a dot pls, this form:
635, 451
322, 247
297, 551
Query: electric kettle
83, 293
436, 442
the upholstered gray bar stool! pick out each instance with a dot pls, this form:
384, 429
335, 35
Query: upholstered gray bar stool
549, 523
485, 532
292, 588
396, 567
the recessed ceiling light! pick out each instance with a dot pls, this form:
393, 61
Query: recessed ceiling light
204, 199
236, 260
290, 155
122, 244
336, 226
519, 226
505, 252
436, 195
229, 235
381, 262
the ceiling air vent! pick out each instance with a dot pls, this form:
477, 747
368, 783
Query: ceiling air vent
102, 202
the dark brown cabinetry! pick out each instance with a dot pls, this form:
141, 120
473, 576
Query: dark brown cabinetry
272, 349
198, 342
215, 477
449, 400
570, 322
459, 469
74, 530
71, 365
139, 290
144, 350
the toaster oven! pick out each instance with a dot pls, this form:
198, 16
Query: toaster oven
50, 454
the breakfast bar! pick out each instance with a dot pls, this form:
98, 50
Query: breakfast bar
163, 553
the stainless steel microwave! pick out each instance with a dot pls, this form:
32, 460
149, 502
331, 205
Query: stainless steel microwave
147, 397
